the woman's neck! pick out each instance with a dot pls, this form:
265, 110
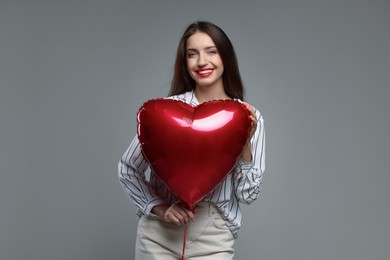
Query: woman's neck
204, 94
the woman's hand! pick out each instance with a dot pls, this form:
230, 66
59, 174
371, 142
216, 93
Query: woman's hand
175, 213
247, 154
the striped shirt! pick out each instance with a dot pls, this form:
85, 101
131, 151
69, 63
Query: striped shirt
242, 184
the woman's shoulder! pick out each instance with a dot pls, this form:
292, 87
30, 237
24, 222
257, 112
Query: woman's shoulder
187, 97
181, 96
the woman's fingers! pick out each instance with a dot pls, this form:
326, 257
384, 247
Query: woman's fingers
189, 214
250, 108
178, 215
253, 118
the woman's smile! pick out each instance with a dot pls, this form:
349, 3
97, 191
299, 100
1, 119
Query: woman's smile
204, 73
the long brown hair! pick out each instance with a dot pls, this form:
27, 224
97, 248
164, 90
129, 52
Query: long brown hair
182, 81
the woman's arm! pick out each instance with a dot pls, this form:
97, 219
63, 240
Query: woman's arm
131, 173
250, 167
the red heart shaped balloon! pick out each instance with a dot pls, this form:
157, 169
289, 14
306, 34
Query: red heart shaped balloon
192, 149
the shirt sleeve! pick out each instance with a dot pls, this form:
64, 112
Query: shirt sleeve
248, 175
131, 173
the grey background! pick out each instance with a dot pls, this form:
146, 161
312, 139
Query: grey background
74, 73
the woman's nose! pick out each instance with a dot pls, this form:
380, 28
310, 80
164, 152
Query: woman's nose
202, 61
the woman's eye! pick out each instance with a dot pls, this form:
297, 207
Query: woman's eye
190, 54
212, 51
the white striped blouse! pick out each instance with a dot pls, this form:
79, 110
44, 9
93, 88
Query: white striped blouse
241, 185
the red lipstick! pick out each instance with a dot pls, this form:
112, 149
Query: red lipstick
205, 72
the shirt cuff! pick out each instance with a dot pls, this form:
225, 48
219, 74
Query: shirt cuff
148, 208
245, 165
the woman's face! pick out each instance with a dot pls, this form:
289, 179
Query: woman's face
203, 61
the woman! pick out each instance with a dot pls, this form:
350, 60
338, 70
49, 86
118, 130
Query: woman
206, 69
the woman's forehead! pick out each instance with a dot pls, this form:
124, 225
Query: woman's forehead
200, 40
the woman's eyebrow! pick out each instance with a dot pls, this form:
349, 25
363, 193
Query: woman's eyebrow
206, 48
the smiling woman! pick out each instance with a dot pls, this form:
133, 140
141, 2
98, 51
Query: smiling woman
206, 69
203, 37
204, 64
